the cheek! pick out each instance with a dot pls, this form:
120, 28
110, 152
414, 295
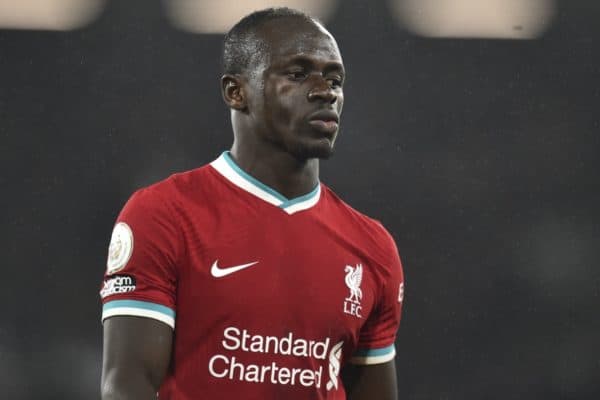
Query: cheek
283, 101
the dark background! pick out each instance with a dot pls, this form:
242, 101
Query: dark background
480, 156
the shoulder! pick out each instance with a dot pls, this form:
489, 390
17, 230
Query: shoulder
172, 191
157, 214
352, 216
369, 229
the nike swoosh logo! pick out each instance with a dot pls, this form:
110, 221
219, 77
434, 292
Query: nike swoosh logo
221, 272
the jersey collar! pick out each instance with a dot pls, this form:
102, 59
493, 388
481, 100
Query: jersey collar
233, 173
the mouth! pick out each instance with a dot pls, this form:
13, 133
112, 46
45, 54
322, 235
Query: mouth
325, 121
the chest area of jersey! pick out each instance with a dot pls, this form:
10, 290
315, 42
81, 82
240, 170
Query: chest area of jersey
293, 274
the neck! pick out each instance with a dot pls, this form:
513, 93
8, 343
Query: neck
277, 169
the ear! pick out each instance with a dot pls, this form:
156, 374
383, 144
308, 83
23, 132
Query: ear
233, 92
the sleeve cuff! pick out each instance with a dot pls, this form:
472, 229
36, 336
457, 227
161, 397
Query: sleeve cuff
373, 356
138, 308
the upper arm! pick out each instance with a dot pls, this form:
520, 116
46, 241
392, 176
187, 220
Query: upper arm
138, 295
377, 336
371, 370
373, 381
136, 357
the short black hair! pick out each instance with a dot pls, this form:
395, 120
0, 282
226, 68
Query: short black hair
241, 44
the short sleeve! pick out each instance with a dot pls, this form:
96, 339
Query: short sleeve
141, 274
378, 334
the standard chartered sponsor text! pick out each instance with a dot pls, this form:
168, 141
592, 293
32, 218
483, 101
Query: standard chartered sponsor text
228, 366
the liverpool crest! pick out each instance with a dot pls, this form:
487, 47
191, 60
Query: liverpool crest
353, 279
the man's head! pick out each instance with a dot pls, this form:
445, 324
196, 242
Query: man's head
283, 76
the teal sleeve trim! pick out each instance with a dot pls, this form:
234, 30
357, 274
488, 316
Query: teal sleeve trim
144, 305
374, 352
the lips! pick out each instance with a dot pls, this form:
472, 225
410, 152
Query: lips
326, 121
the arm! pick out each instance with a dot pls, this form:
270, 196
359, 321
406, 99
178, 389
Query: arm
136, 357
368, 382
370, 373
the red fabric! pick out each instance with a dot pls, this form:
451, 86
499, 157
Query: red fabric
292, 300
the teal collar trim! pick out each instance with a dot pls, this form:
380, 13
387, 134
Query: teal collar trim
227, 167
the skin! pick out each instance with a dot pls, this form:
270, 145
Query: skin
136, 357
271, 105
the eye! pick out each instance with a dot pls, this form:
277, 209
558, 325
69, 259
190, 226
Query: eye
296, 75
335, 81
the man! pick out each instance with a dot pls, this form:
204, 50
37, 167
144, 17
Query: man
248, 278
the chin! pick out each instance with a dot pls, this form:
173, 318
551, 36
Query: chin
321, 149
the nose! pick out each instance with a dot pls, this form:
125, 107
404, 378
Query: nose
322, 91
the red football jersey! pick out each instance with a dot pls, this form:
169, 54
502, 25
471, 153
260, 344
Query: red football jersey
268, 296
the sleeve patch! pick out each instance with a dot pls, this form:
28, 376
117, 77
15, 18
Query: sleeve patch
139, 309
373, 356
120, 249
117, 284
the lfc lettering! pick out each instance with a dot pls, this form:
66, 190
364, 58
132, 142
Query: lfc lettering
352, 309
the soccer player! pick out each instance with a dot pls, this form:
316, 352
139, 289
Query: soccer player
248, 278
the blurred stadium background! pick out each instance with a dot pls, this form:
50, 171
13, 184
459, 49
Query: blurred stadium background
471, 129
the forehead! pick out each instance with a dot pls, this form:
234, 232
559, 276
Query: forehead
286, 38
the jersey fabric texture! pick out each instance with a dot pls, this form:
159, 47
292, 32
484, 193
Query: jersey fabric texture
268, 296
